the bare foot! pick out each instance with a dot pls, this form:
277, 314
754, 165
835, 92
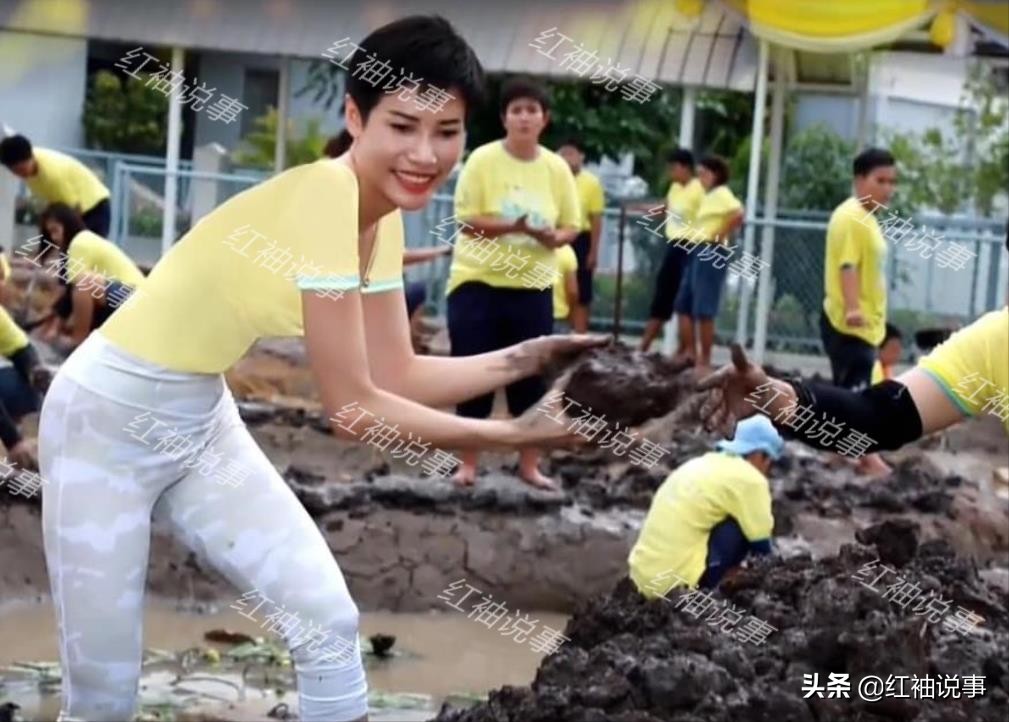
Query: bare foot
536, 478
874, 467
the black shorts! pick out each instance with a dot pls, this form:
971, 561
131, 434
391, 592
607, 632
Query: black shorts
851, 358
582, 245
667, 282
484, 318
98, 218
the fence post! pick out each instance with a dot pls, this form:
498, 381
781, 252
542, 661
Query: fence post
209, 158
764, 296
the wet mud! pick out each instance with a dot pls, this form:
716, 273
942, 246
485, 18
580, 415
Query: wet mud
632, 660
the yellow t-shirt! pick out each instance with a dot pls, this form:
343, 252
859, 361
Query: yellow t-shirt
854, 238
12, 337
682, 204
687, 506
590, 197
64, 179
90, 252
972, 366
5, 267
567, 263
715, 208
238, 274
493, 182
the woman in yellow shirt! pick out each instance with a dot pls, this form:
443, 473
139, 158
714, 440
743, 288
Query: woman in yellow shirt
96, 275
718, 216
518, 202
139, 423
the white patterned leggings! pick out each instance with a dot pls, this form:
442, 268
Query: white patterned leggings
107, 475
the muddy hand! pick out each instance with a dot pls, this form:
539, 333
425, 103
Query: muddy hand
727, 390
537, 354
547, 424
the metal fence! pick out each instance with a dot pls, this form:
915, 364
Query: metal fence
921, 291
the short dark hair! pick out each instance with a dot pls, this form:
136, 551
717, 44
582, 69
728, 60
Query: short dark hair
516, 88
574, 143
891, 333
14, 150
870, 159
424, 46
717, 165
338, 144
681, 156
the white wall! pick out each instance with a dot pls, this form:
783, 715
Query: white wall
42, 86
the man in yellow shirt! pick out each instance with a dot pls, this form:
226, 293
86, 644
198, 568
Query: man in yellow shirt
586, 243
853, 322
709, 514
565, 289
58, 178
680, 211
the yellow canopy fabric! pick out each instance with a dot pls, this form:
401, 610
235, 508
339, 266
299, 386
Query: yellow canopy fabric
831, 26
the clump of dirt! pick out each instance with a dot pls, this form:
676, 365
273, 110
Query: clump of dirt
626, 386
633, 660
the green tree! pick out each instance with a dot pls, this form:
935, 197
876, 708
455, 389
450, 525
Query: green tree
965, 167
815, 170
257, 149
125, 119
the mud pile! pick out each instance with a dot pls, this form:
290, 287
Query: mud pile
628, 387
632, 660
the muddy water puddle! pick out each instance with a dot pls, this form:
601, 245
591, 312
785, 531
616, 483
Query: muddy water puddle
437, 656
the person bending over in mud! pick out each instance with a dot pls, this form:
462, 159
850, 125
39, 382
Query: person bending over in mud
709, 514
964, 376
154, 372
96, 276
22, 385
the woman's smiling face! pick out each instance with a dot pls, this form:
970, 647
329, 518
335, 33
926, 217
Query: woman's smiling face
404, 153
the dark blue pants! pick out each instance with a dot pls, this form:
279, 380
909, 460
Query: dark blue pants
484, 318
727, 547
851, 358
17, 396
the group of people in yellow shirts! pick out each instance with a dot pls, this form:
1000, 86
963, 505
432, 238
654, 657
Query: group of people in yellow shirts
94, 276
204, 306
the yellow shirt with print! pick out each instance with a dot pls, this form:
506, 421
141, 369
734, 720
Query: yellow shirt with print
89, 252
854, 238
567, 263
495, 183
591, 197
64, 179
238, 274
714, 210
693, 499
972, 366
682, 203
12, 337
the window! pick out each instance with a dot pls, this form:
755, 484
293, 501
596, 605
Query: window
259, 93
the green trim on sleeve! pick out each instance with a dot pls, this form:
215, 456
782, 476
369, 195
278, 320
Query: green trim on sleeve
392, 284
957, 401
316, 283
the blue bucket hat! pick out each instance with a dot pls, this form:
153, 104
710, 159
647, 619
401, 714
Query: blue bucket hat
756, 433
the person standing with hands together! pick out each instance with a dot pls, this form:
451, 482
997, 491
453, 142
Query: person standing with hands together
518, 202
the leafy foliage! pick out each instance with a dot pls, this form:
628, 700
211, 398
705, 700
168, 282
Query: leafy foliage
815, 170
128, 118
965, 167
257, 148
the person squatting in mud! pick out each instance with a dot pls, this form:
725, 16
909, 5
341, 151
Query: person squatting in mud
95, 274
163, 355
709, 514
964, 376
